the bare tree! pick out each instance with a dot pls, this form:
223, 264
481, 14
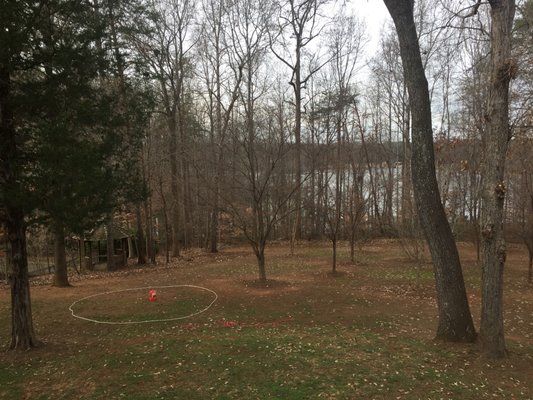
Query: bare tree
346, 39
298, 25
472, 90
222, 75
455, 320
522, 116
519, 178
357, 200
167, 50
389, 106
259, 147
259, 205
495, 142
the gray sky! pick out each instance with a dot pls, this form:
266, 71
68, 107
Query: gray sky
374, 13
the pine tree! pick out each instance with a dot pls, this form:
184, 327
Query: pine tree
15, 46
65, 160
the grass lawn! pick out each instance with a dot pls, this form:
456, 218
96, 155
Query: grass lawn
364, 333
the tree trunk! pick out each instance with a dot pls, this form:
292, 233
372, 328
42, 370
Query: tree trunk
496, 139
352, 245
150, 247
141, 243
213, 232
338, 194
373, 190
407, 208
298, 145
217, 142
165, 220
174, 207
455, 320
184, 164
530, 267
334, 258
81, 245
89, 261
217, 157
260, 255
110, 249
6, 258
60, 258
22, 334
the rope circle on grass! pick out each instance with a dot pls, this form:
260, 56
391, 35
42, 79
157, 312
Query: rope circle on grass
144, 321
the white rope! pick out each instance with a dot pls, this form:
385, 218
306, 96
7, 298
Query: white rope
148, 320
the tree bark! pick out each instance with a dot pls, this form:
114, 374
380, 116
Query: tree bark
150, 248
185, 176
406, 205
22, 334
141, 242
60, 258
213, 232
334, 255
165, 220
261, 264
81, 246
110, 249
455, 320
6, 258
496, 139
174, 206
530, 267
298, 143
89, 254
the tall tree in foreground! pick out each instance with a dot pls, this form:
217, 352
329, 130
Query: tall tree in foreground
455, 320
84, 143
495, 142
69, 142
14, 40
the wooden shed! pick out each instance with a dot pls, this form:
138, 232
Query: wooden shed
94, 249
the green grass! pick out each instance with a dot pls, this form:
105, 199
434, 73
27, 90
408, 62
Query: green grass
134, 305
269, 364
11, 381
409, 274
318, 338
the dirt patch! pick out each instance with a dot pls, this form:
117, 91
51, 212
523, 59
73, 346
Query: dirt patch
268, 284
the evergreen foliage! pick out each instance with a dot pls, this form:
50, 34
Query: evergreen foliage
79, 163
69, 153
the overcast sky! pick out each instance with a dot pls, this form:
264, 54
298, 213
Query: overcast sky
374, 13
